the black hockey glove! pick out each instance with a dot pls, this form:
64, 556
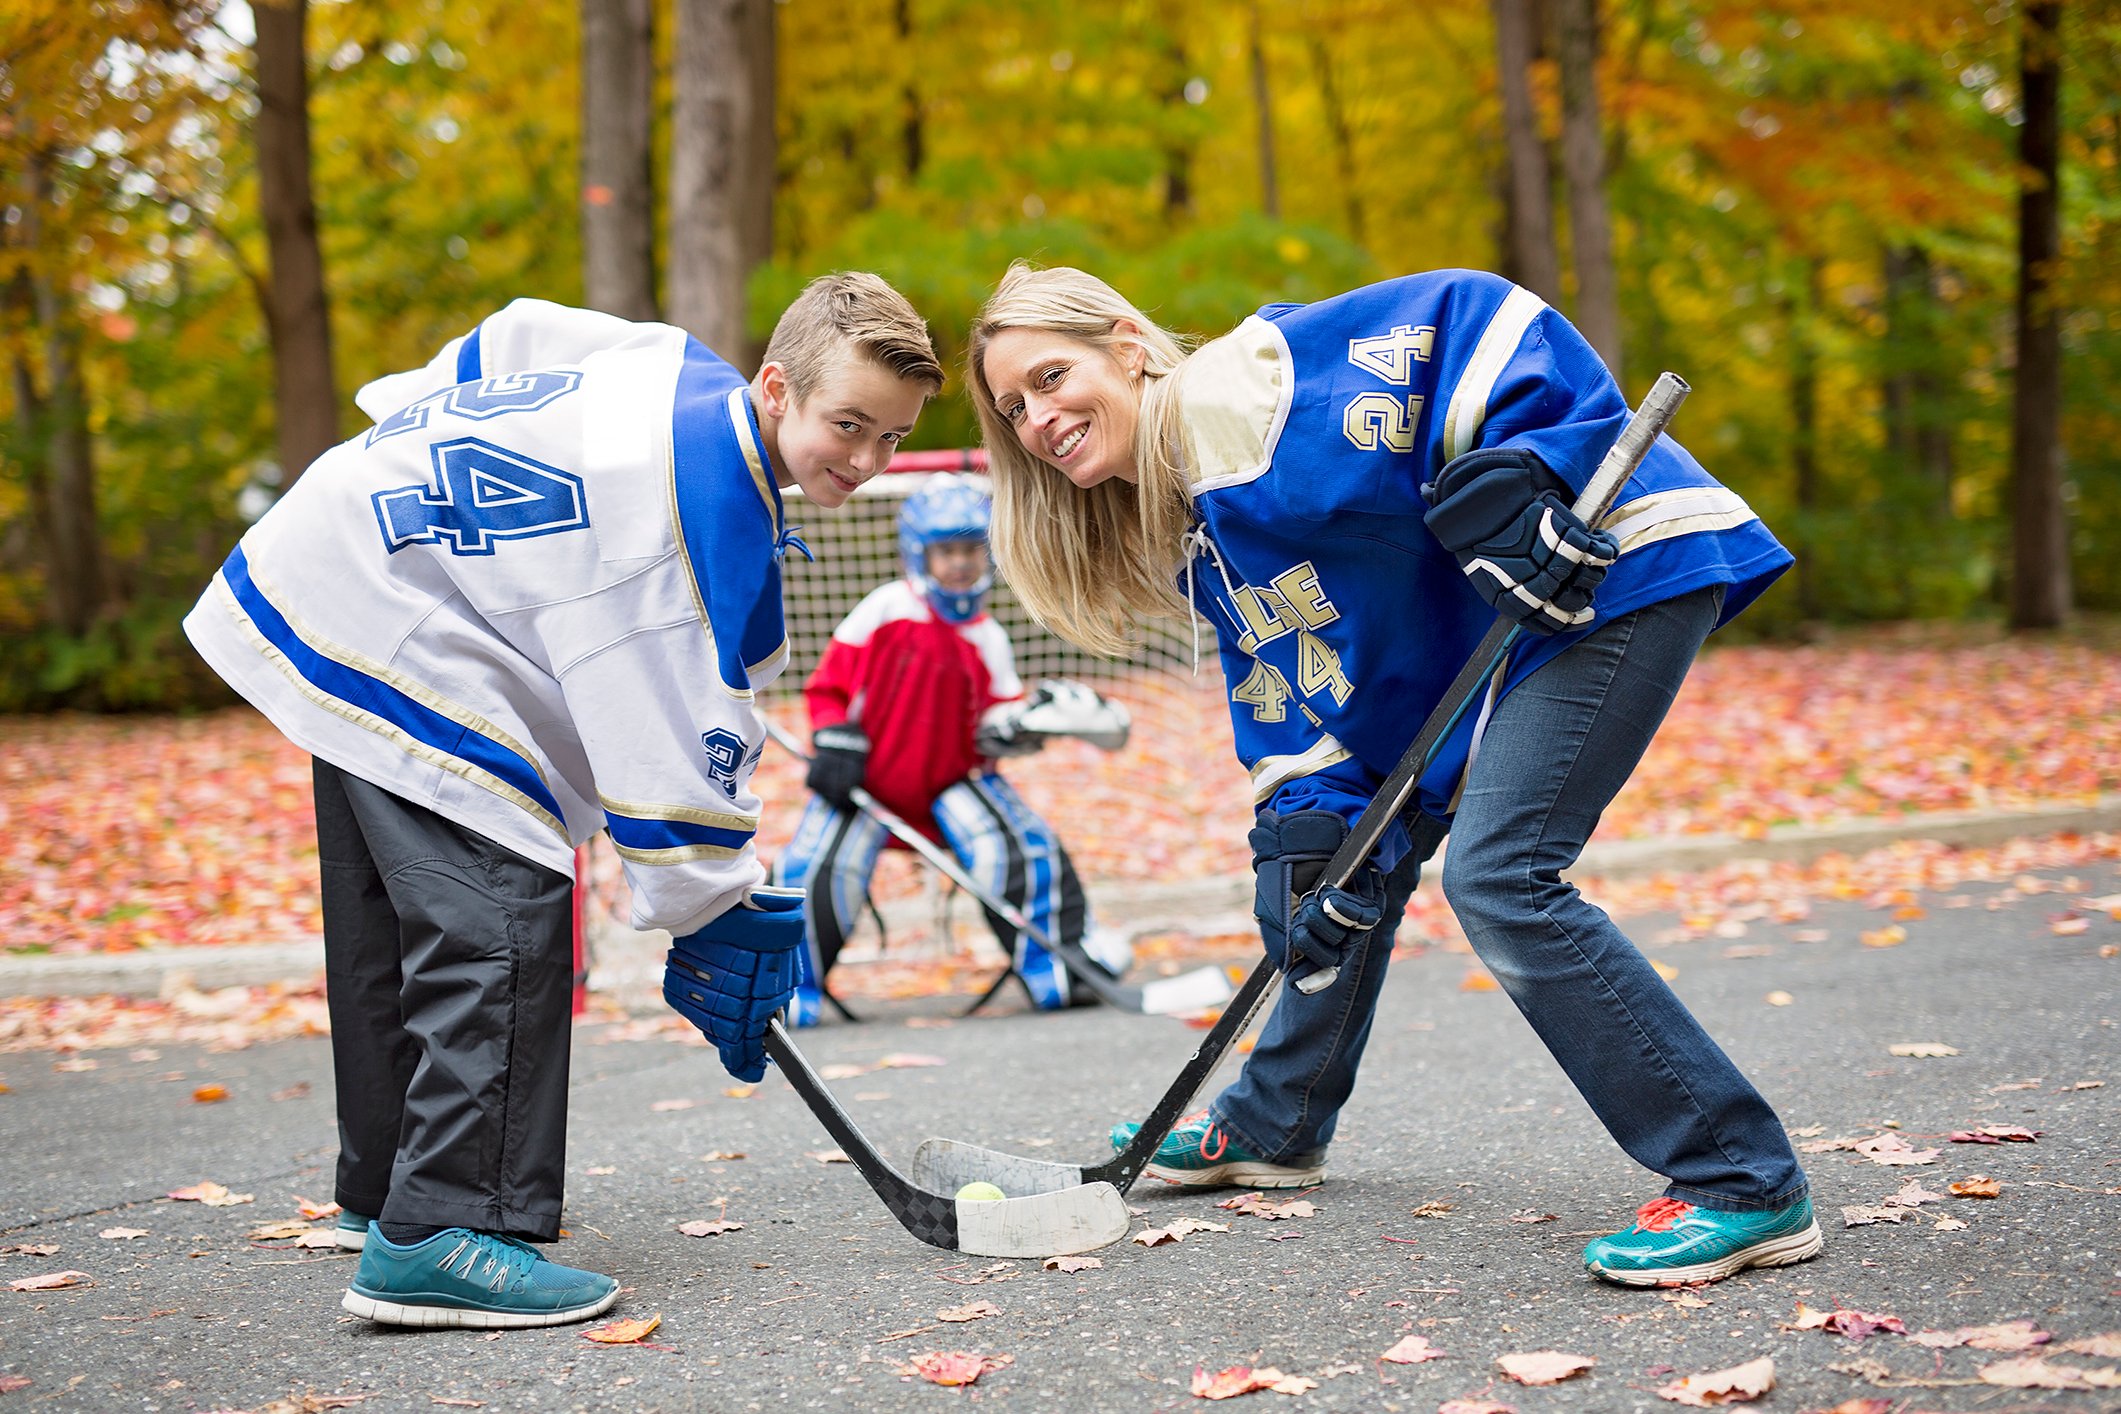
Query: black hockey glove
1503, 513
839, 760
1307, 928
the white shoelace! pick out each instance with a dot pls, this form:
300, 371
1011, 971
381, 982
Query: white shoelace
494, 1254
1196, 542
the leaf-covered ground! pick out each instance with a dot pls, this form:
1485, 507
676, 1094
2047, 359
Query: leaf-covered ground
140, 832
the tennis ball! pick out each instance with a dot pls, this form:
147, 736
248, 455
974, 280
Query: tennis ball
980, 1193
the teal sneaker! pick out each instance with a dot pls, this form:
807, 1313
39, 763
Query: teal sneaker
1199, 1153
352, 1231
1673, 1243
471, 1279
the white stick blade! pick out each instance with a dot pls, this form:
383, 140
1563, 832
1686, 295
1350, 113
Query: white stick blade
1079, 1219
1199, 990
946, 1165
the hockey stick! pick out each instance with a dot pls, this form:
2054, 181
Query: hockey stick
1627, 452
945, 1160
1194, 991
1050, 1222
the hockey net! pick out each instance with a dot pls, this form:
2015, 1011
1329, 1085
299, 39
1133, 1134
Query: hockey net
1147, 812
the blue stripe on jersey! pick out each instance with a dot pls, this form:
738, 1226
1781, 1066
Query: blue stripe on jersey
468, 370
636, 832
373, 695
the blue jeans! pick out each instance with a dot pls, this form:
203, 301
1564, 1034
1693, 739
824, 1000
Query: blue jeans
1555, 753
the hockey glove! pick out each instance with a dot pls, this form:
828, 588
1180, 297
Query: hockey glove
1502, 512
1002, 732
731, 976
839, 761
1305, 927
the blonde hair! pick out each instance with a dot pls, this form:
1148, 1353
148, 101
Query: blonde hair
1093, 564
851, 312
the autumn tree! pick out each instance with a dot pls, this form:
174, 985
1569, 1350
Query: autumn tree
2040, 580
1528, 254
297, 312
721, 167
618, 219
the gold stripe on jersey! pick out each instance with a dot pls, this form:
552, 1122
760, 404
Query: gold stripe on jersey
1273, 772
682, 854
1497, 346
1666, 515
390, 731
690, 814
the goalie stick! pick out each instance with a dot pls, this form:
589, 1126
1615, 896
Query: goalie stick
1050, 1222
952, 1161
1194, 991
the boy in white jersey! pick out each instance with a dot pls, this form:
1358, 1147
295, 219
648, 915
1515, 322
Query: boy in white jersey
536, 600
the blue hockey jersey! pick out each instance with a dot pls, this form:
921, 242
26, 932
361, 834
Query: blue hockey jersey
1340, 618
536, 597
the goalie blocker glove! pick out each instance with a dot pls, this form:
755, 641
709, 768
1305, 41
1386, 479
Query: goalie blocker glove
1502, 512
1306, 928
1057, 708
730, 977
839, 761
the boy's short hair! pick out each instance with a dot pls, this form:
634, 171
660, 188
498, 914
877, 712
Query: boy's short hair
851, 310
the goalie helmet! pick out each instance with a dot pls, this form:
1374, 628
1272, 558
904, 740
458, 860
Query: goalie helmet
948, 508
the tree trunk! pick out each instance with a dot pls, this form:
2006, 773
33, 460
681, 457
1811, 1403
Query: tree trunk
618, 213
721, 168
1583, 164
1263, 105
62, 468
2040, 579
298, 317
912, 131
1918, 433
1336, 112
1804, 427
1528, 255
1177, 145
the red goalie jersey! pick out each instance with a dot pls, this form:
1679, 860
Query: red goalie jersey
916, 685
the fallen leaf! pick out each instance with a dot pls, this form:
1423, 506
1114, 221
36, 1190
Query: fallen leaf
2032, 1372
599, 1170
279, 1231
51, 1281
700, 1227
841, 1070
10, 1383
457, 1403
1228, 1384
1892, 935
1258, 1205
1858, 1216
1432, 1209
1977, 1186
722, 1156
297, 1091
208, 1094
1471, 982
2106, 1344
1475, 1406
1178, 1231
122, 1234
623, 1332
1072, 1264
2009, 1336
1286, 1384
666, 1106
1779, 999
976, 1311
314, 1211
2068, 925
1741, 1384
1893, 1151
1921, 1050
1664, 969
740, 1092
1532, 1215
1412, 1350
1948, 1225
1686, 1299
1996, 1134
1913, 1195
212, 1194
33, 1249
906, 1060
1543, 1367
954, 1367
1864, 1404
829, 1156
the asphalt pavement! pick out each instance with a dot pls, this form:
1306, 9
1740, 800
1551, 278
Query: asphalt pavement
819, 1298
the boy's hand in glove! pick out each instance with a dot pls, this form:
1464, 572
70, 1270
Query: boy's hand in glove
730, 977
839, 760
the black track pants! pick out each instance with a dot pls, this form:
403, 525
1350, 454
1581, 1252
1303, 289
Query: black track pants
448, 961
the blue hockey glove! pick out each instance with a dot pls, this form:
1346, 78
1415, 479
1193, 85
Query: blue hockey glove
731, 976
1503, 513
1305, 927
839, 760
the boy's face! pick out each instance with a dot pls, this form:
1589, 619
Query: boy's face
844, 432
957, 565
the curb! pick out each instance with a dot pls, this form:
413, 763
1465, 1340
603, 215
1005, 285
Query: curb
1219, 904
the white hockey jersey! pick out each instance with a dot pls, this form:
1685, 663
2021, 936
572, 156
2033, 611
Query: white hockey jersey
536, 597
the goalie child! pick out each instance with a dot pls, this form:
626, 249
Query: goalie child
914, 700
532, 602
